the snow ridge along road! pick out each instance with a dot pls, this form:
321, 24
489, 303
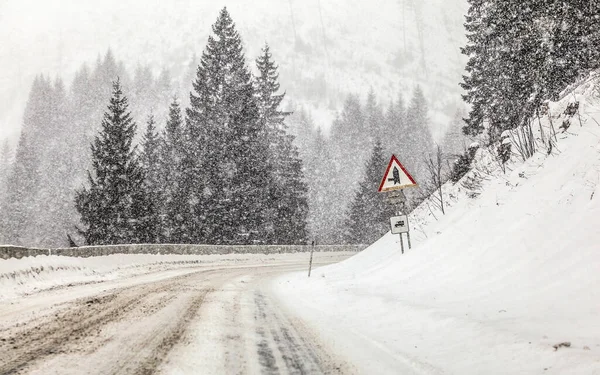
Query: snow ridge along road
209, 320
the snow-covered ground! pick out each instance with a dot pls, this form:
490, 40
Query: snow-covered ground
511, 270
160, 316
488, 288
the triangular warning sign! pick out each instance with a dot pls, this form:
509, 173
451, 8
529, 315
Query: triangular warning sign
396, 177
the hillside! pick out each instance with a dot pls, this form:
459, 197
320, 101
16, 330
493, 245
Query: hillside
510, 271
325, 49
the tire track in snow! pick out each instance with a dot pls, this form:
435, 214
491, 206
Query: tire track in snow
79, 327
285, 341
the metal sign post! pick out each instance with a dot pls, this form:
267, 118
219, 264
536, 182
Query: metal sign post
396, 178
401, 243
399, 225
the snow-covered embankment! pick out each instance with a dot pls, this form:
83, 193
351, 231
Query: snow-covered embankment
489, 287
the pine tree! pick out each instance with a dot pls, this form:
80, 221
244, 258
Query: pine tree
369, 213
176, 210
285, 220
143, 92
105, 72
164, 92
22, 187
303, 128
393, 135
82, 109
55, 197
24, 184
228, 144
500, 35
455, 142
349, 142
574, 45
5, 166
250, 196
113, 208
478, 83
418, 136
150, 157
151, 163
267, 86
324, 198
523, 54
374, 119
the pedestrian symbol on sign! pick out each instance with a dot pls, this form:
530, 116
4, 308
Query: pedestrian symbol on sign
396, 176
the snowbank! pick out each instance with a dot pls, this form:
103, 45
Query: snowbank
19, 277
510, 270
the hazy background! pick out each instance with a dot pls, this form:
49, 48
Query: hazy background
341, 46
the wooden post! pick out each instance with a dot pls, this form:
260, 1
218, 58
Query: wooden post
312, 249
408, 238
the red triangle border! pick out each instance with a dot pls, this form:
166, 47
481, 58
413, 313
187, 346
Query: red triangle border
394, 158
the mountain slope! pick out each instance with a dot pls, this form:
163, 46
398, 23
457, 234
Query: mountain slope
492, 285
325, 49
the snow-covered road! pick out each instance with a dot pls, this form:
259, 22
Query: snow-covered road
206, 319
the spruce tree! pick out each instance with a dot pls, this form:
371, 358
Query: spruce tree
151, 163
5, 166
25, 181
393, 135
521, 55
55, 197
303, 128
455, 143
324, 197
249, 185
228, 144
113, 208
374, 119
369, 214
478, 81
22, 187
574, 45
349, 142
105, 72
287, 204
150, 157
173, 175
419, 142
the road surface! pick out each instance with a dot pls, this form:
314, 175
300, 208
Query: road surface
188, 321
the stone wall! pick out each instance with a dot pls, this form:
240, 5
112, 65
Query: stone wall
7, 252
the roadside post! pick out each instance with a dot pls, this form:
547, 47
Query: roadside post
312, 250
401, 243
395, 179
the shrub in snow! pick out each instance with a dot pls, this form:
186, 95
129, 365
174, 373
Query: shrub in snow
565, 344
504, 150
572, 108
463, 164
565, 125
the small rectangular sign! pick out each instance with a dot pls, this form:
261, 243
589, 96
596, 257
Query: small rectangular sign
399, 224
